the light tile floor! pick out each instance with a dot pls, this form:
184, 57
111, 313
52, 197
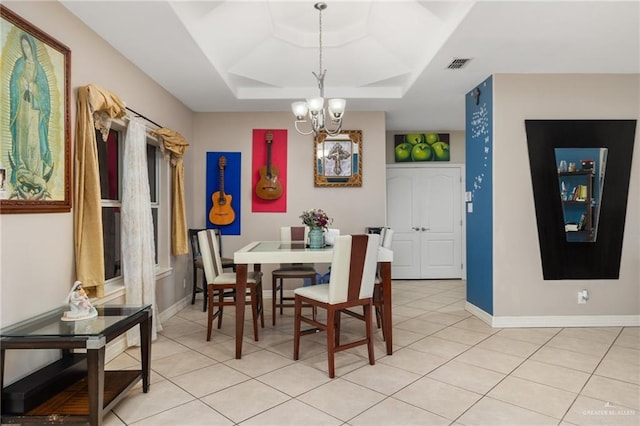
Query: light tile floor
448, 368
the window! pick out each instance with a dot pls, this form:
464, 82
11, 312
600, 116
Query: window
110, 160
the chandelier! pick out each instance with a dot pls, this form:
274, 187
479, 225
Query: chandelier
314, 107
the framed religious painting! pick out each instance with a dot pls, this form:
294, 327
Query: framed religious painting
338, 159
35, 140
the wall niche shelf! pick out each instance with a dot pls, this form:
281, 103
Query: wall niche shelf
578, 204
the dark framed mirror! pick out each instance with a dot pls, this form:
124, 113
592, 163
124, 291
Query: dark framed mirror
600, 257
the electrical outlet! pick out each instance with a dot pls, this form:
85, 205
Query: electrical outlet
583, 296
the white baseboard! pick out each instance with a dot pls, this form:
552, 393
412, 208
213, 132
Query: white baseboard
554, 320
174, 309
479, 313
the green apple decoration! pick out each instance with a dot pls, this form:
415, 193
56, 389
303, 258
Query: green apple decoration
441, 151
432, 138
414, 138
421, 152
403, 151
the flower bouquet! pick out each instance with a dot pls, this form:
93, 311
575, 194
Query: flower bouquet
316, 218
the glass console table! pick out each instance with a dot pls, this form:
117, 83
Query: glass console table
76, 388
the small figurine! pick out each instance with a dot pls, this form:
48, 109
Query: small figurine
81, 307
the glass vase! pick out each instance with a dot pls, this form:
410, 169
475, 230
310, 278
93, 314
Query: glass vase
316, 238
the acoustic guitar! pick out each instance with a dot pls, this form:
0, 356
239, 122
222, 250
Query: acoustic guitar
221, 212
269, 187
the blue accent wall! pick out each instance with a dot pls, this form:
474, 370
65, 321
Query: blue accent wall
231, 187
479, 185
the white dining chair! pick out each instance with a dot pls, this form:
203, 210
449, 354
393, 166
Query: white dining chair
353, 270
386, 238
223, 284
330, 235
378, 300
286, 271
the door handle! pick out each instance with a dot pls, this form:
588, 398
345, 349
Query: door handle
425, 229
415, 228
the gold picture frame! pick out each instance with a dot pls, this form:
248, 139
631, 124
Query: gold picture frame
338, 159
35, 139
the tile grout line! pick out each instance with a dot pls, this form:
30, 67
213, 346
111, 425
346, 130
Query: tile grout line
592, 374
486, 394
455, 324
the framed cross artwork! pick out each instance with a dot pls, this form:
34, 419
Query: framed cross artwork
338, 159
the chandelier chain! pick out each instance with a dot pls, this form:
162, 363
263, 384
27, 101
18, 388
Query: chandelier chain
315, 106
320, 37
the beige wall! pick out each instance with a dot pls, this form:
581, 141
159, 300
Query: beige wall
352, 208
36, 250
519, 288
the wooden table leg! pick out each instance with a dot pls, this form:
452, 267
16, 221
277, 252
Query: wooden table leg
385, 275
145, 351
95, 383
2, 354
241, 291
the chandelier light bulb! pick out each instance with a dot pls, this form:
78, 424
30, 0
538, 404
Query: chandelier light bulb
336, 108
299, 109
315, 105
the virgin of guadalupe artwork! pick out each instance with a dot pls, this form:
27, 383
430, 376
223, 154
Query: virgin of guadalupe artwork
34, 123
29, 112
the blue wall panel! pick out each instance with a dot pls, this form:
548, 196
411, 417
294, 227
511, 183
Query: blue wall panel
231, 187
479, 187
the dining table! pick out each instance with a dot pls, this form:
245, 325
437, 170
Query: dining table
258, 253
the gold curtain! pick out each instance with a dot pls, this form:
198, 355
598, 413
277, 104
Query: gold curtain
175, 145
96, 107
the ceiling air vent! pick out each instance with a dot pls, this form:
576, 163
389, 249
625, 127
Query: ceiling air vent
458, 63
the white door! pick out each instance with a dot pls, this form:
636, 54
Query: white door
424, 208
402, 209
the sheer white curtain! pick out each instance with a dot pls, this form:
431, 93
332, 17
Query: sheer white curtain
138, 251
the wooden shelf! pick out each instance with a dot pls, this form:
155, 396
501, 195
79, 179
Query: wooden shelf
76, 388
582, 183
576, 201
74, 400
576, 173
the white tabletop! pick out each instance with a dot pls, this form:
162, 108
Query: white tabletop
263, 252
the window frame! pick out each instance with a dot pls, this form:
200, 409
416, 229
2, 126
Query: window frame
162, 265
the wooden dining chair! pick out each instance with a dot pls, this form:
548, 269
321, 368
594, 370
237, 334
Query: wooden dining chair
353, 270
196, 260
386, 238
196, 263
295, 234
223, 285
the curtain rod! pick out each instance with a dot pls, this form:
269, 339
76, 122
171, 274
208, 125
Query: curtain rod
143, 117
